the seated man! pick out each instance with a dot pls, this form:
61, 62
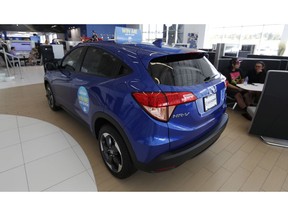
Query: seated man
257, 75
13, 53
234, 76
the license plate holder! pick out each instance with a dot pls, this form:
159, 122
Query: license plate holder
210, 101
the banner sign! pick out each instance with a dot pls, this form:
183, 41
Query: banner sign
127, 35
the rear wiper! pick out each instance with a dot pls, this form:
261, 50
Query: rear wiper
209, 78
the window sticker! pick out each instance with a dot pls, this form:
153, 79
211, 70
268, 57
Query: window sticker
83, 99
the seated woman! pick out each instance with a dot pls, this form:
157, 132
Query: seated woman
234, 76
33, 56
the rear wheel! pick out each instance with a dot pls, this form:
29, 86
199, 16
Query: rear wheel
50, 98
114, 153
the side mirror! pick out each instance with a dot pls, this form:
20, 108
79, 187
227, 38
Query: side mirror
51, 66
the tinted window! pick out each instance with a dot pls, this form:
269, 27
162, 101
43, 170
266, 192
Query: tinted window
182, 70
71, 61
102, 63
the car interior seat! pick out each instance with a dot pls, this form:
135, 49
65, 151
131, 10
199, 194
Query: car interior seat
186, 73
162, 73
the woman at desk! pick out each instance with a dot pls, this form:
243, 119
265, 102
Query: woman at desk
33, 56
234, 76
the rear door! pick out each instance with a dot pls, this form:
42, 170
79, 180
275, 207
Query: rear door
91, 87
190, 73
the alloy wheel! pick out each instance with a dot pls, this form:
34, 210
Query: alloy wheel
111, 152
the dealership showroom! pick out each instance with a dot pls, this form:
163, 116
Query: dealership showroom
44, 147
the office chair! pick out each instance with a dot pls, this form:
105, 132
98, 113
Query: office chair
270, 120
231, 101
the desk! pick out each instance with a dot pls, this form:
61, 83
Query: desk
258, 87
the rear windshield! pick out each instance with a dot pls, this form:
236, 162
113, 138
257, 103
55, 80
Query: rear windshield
182, 69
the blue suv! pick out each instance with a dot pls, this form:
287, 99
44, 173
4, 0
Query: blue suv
151, 108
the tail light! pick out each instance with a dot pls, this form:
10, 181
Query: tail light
226, 83
161, 105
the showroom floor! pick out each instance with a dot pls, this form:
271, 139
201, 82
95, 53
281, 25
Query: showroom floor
25, 76
236, 162
36, 155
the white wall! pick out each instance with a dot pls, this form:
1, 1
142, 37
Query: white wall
195, 28
75, 34
133, 26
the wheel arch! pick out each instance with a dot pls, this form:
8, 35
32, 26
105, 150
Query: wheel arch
46, 82
101, 119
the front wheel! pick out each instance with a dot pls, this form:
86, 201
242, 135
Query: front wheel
114, 153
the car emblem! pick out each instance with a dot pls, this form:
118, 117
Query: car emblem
212, 89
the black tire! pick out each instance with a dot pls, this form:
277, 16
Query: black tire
50, 98
114, 153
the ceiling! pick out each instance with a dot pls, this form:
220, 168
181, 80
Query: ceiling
34, 28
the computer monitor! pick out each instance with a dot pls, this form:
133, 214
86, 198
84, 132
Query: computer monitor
21, 46
35, 38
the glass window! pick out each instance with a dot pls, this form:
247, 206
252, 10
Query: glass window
232, 35
179, 70
150, 32
91, 61
251, 34
71, 61
271, 37
102, 63
266, 38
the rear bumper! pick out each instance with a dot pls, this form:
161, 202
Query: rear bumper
175, 158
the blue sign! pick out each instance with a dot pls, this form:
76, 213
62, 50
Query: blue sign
83, 99
127, 35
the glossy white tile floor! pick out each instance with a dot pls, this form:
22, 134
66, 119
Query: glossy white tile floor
27, 76
38, 156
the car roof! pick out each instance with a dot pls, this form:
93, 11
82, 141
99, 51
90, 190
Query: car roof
144, 51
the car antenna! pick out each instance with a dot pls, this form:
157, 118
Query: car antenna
158, 42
